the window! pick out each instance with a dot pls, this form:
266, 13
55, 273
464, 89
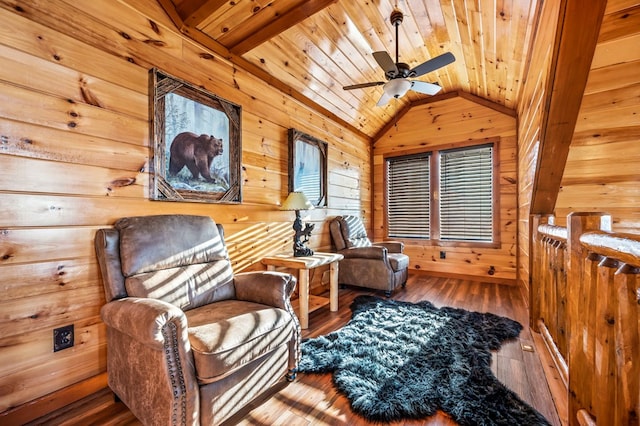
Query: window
445, 195
466, 194
408, 197
308, 167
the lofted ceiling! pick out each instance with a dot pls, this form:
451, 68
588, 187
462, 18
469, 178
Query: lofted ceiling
312, 48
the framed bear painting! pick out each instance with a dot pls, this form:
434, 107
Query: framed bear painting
196, 143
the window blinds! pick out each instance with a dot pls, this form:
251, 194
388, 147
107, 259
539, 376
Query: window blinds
466, 194
408, 197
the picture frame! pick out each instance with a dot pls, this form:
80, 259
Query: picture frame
308, 167
196, 143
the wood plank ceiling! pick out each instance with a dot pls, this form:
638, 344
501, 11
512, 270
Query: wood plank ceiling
312, 48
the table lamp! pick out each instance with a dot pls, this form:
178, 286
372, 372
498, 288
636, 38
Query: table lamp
298, 201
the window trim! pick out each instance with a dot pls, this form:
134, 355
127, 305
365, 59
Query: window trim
435, 194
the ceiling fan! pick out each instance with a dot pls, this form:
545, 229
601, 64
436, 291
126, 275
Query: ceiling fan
398, 73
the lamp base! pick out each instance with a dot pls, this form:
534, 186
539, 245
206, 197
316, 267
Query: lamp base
301, 251
300, 237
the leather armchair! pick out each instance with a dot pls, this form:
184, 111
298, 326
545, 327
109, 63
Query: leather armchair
189, 342
381, 266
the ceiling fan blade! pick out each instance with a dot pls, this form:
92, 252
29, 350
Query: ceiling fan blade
386, 63
384, 99
434, 63
424, 87
361, 85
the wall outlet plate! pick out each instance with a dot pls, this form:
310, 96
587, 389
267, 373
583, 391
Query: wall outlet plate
443, 254
63, 337
527, 348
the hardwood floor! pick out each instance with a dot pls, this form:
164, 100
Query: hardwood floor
312, 399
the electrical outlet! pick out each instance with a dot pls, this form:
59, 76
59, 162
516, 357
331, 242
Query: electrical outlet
527, 348
443, 254
63, 337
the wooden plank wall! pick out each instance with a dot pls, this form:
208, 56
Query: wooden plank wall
444, 121
74, 157
602, 171
530, 110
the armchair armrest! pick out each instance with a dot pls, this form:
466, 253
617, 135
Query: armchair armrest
392, 246
371, 252
152, 352
143, 320
266, 287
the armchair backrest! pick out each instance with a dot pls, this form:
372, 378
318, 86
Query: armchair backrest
348, 231
180, 259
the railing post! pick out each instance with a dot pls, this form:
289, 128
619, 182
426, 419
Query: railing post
535, 271
578, 302
627, 404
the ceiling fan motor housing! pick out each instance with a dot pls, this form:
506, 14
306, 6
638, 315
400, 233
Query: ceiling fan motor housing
402, 71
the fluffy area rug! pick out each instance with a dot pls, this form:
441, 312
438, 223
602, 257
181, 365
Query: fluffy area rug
399, 360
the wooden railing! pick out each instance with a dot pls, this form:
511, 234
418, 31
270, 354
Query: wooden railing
549, 290
585, 302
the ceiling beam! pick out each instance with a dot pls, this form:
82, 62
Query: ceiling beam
255, 70
489, 104
170, 10
193, 12
217, 48
305, 9
576, 38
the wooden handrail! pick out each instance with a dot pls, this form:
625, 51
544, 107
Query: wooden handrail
554, 232
623, 247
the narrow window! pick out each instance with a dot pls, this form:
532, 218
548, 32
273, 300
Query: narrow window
466, 194
408, 188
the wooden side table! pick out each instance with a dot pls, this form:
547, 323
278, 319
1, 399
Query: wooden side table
303, 265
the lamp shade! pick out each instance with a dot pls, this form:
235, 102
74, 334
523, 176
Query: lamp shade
296, 201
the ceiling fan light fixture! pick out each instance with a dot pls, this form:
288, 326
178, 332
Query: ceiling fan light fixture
397, 88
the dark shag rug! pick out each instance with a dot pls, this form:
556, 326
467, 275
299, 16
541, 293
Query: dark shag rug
399, 360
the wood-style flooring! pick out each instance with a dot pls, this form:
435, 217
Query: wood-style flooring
312, 399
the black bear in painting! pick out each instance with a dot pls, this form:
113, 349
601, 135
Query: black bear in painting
195, 152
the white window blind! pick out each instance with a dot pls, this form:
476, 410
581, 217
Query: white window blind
408, 197
466, 194
308, 178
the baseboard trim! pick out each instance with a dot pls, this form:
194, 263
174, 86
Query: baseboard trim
46, 404
484, 279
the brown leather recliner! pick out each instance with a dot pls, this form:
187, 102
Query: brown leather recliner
189, 342
381, 266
